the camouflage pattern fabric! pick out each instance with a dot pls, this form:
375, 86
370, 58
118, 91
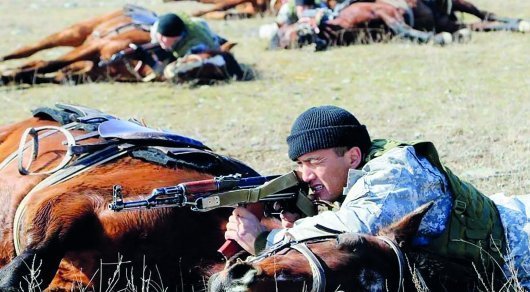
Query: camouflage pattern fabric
515, 217
395, 184
388, 188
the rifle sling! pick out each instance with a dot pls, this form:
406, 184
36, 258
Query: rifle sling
254, 195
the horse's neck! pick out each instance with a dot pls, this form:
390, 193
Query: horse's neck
429, 270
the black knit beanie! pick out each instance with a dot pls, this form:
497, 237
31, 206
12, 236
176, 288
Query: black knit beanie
170, 25
326, 127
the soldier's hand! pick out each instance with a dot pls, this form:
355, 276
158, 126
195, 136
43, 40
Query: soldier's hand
288, 219
244, 227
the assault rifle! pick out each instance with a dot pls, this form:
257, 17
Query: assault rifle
137, 52
277, 192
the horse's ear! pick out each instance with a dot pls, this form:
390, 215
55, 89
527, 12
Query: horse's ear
404, 230
226, 47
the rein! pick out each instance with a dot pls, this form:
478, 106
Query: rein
319, 276
399, 256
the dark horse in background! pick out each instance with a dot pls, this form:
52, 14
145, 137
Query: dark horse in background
354, 262
364, 22
418, 20
55, 220
489, 21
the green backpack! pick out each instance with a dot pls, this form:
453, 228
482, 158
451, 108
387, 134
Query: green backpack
475, 230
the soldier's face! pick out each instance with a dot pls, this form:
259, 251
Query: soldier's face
326, 172
167, 42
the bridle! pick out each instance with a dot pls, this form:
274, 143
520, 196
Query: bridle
400, 258
319, 275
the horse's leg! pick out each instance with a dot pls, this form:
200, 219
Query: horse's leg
221, 6
233, 67
490, 21
75, 73
467, 7
396, 23
73, 36
515, 25
29, 74
423, 17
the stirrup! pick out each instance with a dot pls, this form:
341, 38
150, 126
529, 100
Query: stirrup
33, 132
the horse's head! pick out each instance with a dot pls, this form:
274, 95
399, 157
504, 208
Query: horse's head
205, 68
348, 262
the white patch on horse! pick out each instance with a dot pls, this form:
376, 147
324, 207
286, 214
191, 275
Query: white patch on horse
217, 61
371, 280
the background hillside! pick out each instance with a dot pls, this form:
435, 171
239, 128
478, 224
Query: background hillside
472, 100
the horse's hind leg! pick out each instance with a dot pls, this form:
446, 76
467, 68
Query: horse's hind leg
29, 74
467, 7
49, 226
220, 6
514, 25
490, 21
395, 22
72, 36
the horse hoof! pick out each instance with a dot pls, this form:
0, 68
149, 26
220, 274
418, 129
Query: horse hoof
462, 35
5, 80
524, 26
443, 38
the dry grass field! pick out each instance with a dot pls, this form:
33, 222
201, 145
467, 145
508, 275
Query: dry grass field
472, 100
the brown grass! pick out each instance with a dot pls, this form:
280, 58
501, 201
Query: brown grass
472, 100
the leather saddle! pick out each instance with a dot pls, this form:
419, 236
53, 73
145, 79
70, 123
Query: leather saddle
137, 134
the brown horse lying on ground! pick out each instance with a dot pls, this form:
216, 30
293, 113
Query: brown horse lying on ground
243, 8
369, 21
59, 224
363, 22
352, 262
93, 39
